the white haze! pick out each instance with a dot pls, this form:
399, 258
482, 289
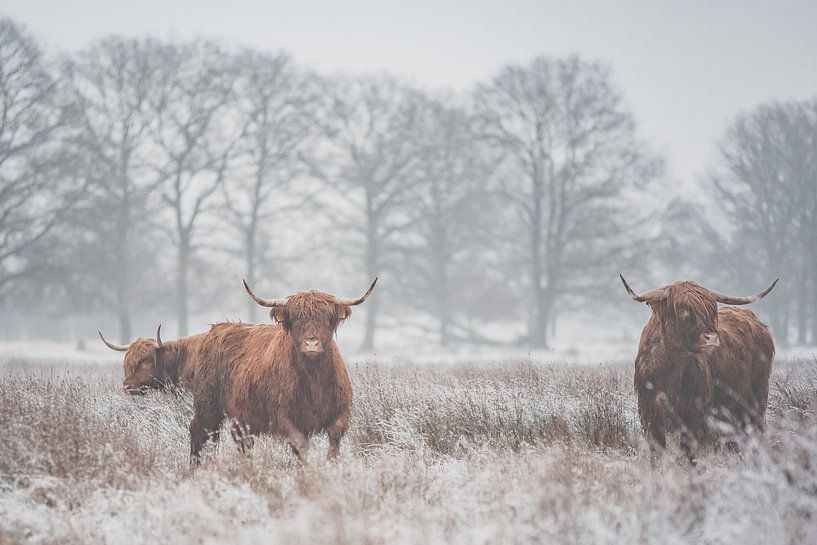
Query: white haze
686, 68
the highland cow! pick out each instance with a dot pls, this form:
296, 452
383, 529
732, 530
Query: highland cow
153, 364
287, 380
696, 361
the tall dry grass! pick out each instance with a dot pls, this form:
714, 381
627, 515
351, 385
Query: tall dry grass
516, 453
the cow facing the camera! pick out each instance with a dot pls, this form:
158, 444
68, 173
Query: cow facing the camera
695, 361
287, 380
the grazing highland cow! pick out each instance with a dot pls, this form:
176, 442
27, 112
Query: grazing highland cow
696, 361
287, 380
151, 363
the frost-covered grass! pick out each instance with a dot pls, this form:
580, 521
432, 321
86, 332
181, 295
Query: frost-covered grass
459, 454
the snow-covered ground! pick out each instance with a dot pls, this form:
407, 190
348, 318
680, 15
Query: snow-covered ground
468, 453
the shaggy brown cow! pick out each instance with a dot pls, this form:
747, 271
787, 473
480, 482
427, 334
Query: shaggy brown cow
695, 360
151, 363
287, 380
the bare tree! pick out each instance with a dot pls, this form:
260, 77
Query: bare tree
372, 129
36, 184
113, 82
276, 106
194, 141
766, 183
570, 155
442, 256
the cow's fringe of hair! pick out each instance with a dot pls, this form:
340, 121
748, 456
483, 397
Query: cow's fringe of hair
315, 305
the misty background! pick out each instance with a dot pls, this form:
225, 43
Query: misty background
496, 167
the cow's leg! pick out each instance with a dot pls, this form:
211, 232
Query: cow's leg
655, 427
689, 445
657, 437
199, 434
760, 391
692, 437
755, 414
735, 420
335, 432
205, 425
297, 440
242, 437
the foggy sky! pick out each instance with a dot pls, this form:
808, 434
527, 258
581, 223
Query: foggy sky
686, 67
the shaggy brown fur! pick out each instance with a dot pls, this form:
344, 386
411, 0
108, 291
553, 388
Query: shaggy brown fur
288, 380
680, 384
178, 360
148, 366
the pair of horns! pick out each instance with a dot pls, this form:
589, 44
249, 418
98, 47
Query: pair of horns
661, 293
348, 301
125, 347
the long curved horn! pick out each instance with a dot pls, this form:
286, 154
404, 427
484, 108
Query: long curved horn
159, 336
646, 297
730, 300
119, 347
264, 302
352, 302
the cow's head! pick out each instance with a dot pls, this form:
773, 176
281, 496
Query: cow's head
311, 317
688, 312
143, 367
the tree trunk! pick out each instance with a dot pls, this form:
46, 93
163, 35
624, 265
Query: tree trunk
543, 308
538, 334
123, 299
182, 288
124, 325
813, 309
777, 318
252, 229
784, 323
252, 306
445, 335
776, 325
371, 321
802, 307
538, 337
443, 307
122, 280
372, 264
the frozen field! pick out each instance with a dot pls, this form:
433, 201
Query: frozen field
502, 452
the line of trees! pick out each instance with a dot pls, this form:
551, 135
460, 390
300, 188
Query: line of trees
138, 173
766, 185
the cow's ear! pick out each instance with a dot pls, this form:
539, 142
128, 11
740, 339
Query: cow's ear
344, 311
279, 315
